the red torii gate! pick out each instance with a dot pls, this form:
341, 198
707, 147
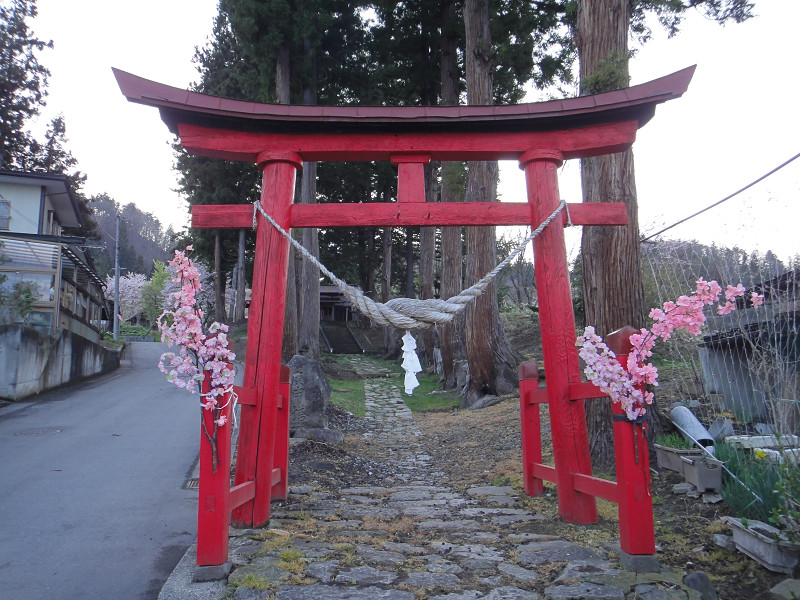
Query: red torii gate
279, 138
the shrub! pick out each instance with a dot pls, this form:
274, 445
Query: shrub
127, 329
786, 515
756, 473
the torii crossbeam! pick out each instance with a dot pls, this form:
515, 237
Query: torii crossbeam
279, 138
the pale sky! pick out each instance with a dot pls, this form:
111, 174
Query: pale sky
738, 120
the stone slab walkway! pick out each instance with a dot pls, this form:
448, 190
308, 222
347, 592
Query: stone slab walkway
416, 539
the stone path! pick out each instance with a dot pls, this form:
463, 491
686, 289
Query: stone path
419, 539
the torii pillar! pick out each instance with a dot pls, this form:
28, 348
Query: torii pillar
557, 320
265, 332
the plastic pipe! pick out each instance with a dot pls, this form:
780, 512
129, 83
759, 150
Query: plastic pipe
691, 428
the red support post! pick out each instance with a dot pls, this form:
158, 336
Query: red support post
265, 337
567, 418
411, 177
531, 427
635, 503
213, 510
280, 490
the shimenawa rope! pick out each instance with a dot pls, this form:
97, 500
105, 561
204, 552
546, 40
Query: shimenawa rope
410, 313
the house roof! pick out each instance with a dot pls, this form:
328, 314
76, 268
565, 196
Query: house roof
56, 189
182, 106
781, 301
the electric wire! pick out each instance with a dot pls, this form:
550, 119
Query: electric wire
725, 199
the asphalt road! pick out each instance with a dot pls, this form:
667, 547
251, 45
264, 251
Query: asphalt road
91, 485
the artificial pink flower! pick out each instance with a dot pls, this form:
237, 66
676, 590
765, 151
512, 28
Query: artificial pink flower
732, 292
624, 385
198, 354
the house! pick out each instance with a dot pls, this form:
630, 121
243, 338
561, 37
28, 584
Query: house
34, 210
47, 286
333, 306
751, 357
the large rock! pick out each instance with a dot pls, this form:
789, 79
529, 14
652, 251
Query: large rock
310, 394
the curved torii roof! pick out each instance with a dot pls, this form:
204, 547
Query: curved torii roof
179, 106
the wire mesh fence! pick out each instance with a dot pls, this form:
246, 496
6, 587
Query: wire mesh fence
745, 365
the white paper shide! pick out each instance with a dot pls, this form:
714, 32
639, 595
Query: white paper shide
410, 362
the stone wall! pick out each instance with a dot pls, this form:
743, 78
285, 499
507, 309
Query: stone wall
33, 362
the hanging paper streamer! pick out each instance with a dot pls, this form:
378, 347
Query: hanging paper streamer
410, 362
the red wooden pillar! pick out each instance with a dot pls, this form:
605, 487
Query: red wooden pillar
562, 369
411, 176
280, 461
531, 427
214, 505
635, 503
265, 336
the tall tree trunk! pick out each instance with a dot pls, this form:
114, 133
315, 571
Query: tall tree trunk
613, 292
409, 287
451, 339
386, 278
308, 342
282, 94
219, 282
489, 355
427, 250
369, 289
309, 319
241, 283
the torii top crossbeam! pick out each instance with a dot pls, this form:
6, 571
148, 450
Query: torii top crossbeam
410, 136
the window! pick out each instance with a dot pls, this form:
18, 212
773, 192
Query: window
5, 213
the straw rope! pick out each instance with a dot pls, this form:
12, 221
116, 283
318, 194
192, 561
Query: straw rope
410, 313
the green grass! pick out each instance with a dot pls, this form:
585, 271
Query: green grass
349, 396
674, 440
423, 398
257, 583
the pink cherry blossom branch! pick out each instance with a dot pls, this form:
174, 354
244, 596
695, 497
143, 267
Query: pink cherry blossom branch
200, 356
625, 385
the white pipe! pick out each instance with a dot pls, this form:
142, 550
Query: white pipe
692, 429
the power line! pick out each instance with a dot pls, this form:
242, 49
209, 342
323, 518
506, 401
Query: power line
736, 193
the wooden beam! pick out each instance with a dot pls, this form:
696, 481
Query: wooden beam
237, 216
246, 395
276, 476
585, 391
244, 492
536, 397
545, 472
594, 486
592, 140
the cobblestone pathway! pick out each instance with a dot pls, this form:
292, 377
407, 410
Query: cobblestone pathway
419, 539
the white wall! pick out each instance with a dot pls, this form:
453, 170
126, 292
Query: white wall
25, 203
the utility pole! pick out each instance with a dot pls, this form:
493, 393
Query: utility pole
116, 283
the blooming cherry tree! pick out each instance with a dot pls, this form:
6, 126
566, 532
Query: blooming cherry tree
626, 385
130, 294
200, 355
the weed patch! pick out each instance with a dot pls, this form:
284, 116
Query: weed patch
349, 396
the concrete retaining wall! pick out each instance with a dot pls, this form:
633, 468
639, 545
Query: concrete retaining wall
32, 362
